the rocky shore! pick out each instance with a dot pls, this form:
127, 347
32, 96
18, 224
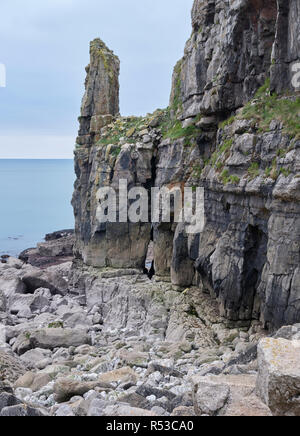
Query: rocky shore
146, 319
80, 341
57, 248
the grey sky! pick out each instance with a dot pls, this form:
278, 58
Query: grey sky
45, 47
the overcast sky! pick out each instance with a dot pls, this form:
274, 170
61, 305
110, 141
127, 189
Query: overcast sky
45, 47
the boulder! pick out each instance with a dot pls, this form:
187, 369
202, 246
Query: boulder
21, 410
33, 381
156, 367
210, 399
50, 338
65, 388
125, 410
228, 395
18, 303
278, 382
183, 411
11, 368
288, 332
134, 358
10, 285
37, 278
146, 391
122, 375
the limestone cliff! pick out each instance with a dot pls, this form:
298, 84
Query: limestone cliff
226, 130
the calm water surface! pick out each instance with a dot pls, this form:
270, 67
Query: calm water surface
35, 198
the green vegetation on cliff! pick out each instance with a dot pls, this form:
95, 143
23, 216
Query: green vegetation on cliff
266, 107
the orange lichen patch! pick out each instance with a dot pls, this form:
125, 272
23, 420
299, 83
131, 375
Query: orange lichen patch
282, 352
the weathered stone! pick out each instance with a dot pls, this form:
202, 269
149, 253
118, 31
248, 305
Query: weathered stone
8, 400
135, 400
286, 50
124, 410
21, 410
65, 389
278, 382
121, 375
50, 338
43, 279
210, 399
183, 411
11, 368
102, 83
33, 381
227, 396
146, 391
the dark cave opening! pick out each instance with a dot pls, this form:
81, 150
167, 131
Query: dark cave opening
149, 269
254, 261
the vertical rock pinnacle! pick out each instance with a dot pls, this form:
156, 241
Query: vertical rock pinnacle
101, 86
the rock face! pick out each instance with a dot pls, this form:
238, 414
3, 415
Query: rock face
227, 57
287, 46
247, 256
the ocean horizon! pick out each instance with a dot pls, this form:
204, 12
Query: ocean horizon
35, 198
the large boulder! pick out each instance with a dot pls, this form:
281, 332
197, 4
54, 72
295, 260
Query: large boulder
33, 358
50, 338
37, 278
8, 400
59, 338
21, 410
65, 389
228, 395
278, 382
289, 332
33, 381
122, 375
11, 368
19, 302
10, 284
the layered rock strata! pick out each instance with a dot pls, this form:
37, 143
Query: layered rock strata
226, 131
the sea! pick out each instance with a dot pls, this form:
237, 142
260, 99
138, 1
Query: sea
35, 199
